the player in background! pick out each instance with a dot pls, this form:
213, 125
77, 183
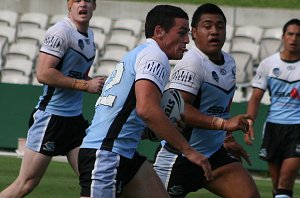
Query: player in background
109, 164
280, 75
57, 125
205, 77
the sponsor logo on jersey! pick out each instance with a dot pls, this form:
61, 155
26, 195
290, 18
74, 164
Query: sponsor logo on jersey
155, 69
53, 42
183, 77
291, 67
293, 94
80, 44
49, 146
276, 72
218, 110
215, 76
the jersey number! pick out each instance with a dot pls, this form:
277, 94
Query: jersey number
114, 78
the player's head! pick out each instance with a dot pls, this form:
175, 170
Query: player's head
290, 22
168, 25
291, 36
207, 8
209, 29
163, 16
81, 11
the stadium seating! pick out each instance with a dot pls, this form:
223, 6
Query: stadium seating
19, 32
8, 18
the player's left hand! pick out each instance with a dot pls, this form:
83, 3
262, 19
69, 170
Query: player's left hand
237, 151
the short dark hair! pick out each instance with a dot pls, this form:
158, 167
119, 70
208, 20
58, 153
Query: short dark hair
290, 22
163, 15
207, 8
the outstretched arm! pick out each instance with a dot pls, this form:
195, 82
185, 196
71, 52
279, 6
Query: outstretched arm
197, 119
252, 111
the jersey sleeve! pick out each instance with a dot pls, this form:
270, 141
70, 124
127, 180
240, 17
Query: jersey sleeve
188, 74
260, 78
56, 40
153, 66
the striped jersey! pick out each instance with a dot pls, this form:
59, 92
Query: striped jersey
282, 79
76, 52
116, 126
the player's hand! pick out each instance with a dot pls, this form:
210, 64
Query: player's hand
200, 160
238, 122
237, 151
249, 136
95, 85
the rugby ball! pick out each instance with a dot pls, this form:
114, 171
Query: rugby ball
173, 105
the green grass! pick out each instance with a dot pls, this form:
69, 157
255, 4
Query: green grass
61, 182
289, 4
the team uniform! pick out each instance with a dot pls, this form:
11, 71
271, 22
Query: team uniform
115, 132
57, 124
214, 86
281, 137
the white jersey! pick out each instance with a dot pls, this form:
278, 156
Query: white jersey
214, 87
116, 126
282, 79
76, 52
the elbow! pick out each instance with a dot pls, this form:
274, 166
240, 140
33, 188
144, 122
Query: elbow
143, 112
41, 77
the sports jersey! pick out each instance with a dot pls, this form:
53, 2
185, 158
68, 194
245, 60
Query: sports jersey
282, 79
76, 52
214, 86
116, 126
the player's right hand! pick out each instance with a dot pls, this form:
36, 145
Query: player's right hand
200, 160
95, 85
239, 122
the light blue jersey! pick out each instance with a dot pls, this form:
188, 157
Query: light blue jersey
77, 52
116, 126
214, 86
282, 79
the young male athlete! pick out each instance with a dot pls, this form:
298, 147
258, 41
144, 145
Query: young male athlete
109, 164
205, 76
57, 125
280, 74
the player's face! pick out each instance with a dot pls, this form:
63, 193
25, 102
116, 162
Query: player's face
291, 39
81, 11
174, 42
209, 34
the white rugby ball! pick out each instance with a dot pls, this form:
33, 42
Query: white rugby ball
173, 104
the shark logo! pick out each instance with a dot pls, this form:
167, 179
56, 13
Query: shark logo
49, 146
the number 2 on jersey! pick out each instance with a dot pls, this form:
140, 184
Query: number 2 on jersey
114, 78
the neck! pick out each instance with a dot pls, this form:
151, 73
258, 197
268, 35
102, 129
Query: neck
289, 56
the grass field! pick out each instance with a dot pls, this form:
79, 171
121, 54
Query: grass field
61, 182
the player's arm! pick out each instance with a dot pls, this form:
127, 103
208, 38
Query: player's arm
148, 108
47, 73
252, 110
197, 119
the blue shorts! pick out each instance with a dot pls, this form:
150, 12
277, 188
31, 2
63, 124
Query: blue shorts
54, 135
104, 174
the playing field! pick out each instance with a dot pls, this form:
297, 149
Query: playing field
61, 182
